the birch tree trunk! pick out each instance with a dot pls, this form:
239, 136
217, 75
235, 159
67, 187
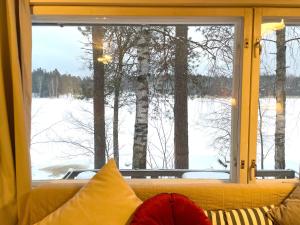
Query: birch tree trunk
280, 100
180, 106
142, 102
98, 92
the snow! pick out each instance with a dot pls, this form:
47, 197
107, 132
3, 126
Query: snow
85, 175
206, 175
62, 135
292, 141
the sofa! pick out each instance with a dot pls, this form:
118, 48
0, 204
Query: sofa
47, 197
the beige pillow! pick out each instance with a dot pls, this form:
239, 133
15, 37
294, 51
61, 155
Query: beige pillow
287, 213
105, 200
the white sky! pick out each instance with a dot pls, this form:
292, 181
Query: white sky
61, 48
58, 47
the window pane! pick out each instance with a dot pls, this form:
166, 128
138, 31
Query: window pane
210, 97
278, 125
166, 91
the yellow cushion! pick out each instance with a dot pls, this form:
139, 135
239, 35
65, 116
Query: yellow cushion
105, 199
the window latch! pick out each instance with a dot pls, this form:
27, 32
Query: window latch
257, 47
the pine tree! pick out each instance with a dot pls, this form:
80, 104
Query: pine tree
98, 94
180, 106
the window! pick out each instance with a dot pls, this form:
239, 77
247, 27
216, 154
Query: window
279, 90
168, 90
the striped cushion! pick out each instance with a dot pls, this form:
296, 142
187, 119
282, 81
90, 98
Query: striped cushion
254, 216
216, 217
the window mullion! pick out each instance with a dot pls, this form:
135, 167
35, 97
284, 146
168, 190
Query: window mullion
240, 154
255, 73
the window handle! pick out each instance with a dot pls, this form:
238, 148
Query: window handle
257, 47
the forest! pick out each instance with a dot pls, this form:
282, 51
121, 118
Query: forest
52, 84
148, 64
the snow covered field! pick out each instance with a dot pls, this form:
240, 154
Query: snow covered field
62, 134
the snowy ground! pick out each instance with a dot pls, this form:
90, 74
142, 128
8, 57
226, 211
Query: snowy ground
292, 132
62, 135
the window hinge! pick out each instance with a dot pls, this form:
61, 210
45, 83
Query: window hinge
246, 43
253, 168
242, 164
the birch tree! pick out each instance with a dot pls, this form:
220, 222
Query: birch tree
142, 101
280, 99
284, 40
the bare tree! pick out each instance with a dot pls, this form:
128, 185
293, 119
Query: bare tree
121, 40
260, 130
286, 40
280, 99
219, 123
142, 101
161, 85
160, 148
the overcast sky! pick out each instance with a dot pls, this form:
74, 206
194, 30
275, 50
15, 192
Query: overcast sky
61, 48
58, 47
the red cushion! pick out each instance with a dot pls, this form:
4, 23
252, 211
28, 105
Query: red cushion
169, 209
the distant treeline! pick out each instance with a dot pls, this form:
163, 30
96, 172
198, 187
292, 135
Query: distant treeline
53, 84
267, 85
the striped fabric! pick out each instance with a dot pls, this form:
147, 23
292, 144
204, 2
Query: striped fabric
216, 217
254, 216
